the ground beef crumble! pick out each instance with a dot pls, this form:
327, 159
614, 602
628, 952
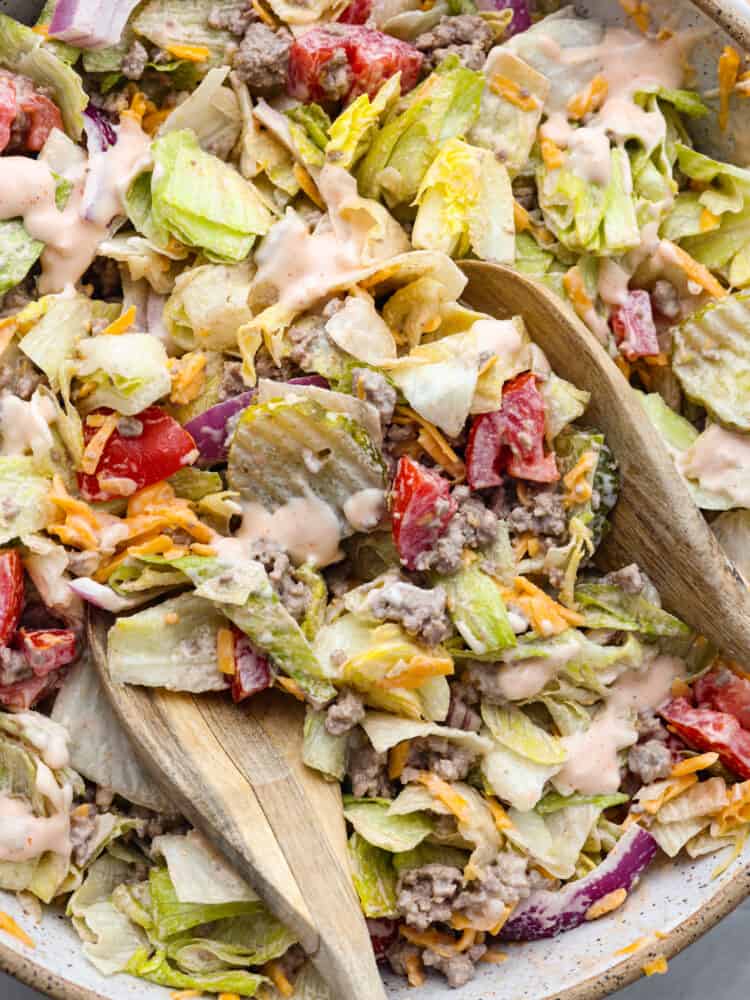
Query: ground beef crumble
345, 713
472, 526
293, 593
444, 758
421, 612
262, 61
467, 35
376, 389
368, 769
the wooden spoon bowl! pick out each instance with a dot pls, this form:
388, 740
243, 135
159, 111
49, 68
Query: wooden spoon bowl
655, 521
236, 772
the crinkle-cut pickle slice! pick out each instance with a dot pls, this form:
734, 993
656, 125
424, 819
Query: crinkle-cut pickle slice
283, 450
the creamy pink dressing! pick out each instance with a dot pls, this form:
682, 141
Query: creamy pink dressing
502, 337
517, 681
49, 738
593, 765
306, 527
365, 509
25, 426
71, 236
24, 836
613, 282
629, 63
720, 461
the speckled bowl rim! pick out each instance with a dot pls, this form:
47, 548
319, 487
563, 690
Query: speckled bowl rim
625, 972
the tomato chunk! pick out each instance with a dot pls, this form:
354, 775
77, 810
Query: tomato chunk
252, 671
725, 691
341, 61
128, 463
706, 729
357, 12
44, 115
11, 593
421, 507
49, 649
383, 933
634, 327
511, 439
24, 694
8, 109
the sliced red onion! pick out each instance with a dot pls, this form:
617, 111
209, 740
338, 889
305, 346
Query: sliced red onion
252, 672
521, 13
100, 129
104, 597
545, 914
90, 24
212, 429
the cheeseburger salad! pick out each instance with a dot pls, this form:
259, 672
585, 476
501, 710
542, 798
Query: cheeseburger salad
244, 409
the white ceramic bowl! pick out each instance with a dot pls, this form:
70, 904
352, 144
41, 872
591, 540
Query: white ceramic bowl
674, 904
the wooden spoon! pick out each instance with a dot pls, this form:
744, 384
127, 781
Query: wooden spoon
236, 772
655, 522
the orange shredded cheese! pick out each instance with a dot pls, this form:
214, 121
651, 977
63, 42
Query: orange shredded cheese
123, 322
591, 98
693, 764
638, 12
728, 70
309, 186
433, 442
95, 448
188, 376
185, 994
552, 155
636, 945
507, 88
612, 901
202, 550
673, 788
229, 996
736, 813
577, 485
708, 221
416, 671
414, 970
522, 222
8, 924
576, 290
278, 977
263, 14
41, 29
225, 651
397, 759
190, 53
500, 816
695, 272
79, 526
291, 687
171, 618
546, 615
153, 121
139, 105
442, 944
443, 792
494, 957
656, 967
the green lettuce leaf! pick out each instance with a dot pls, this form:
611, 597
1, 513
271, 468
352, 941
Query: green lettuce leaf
248, 940
373, 821
374, 878
553, 801
51, 342
515, 778
24, 504
170, 916
515, 730
563, 403
555, 840
212, 112
384, 731
198, 873
22, 51
321, 750
606, 606
430, 854
208, 306
352, 132
185, 22
129, 369
157, 969
478, 611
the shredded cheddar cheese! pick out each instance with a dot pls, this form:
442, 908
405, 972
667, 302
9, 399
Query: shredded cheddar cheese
739, 846
171, 618
189, 53
443, 792
494, 957
309, 186
229, 996
122, 324
507, 88
552, 155
522, 222
728, 70
575, 289
633, 947
414, 970
638, 12
577, 486
95, 448
8, 924
185, 994
589, 99
188, 376
225, 651
278, 977
413, 673
612, 901
673, 788
41, 29
657, 967
693, 764
151, 124
547, 617
708, 221
736, 813
397, 759
433, 442
500, 816
291, 687
264, 14
693, 270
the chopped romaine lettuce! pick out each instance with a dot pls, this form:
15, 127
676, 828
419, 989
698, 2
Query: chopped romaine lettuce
198, 872
157, 969
516, 731
321, 750
130, 371
515, 778
385, 731
373, 821
352, 132
374, 878
604, 605
51, 342
24, 504
478, 610
208, 306
174, 23
212, 112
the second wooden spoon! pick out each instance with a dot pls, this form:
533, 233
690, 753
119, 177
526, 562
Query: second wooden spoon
655, 522
236, 772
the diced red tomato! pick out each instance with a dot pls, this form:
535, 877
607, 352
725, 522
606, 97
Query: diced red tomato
511, 439
725, 691
371, 58
252, 671
634, 327
25, 694
8, 109
421, 507
383, 933
483, 451
11, 593
47, 650
523, 431
157, 452
706, 729
44, 115
357, 12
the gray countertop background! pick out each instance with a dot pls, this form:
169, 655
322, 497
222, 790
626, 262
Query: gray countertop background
694, 975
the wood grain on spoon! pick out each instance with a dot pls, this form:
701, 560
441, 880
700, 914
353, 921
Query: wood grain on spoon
236, 772
655, 522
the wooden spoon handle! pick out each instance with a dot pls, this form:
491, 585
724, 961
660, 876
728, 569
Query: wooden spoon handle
655, 522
